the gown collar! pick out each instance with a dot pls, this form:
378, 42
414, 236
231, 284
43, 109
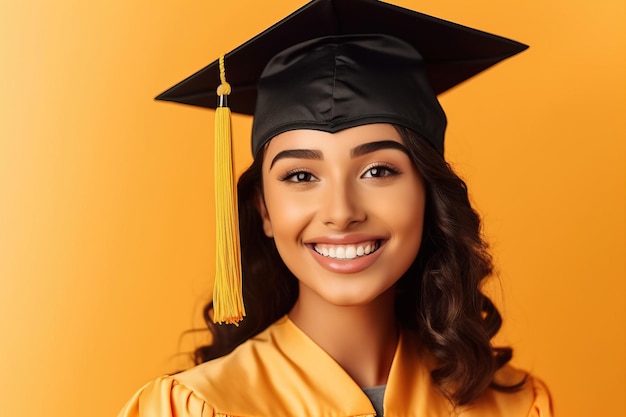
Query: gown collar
410, 391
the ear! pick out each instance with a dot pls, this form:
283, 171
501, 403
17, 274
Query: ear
265, 217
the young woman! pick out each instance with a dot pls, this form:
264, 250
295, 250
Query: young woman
362, 257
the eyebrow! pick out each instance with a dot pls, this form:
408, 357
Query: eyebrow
377, 146
298, 154
357, 151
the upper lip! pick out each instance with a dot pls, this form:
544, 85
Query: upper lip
350, 239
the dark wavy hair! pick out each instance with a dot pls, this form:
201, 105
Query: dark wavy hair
438, 298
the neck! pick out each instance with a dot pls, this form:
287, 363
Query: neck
361, 339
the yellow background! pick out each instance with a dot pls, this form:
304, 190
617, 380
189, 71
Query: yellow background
106, 230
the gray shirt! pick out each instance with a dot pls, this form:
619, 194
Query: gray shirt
376, 396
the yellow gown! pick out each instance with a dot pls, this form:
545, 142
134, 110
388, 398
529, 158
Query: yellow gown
281, 372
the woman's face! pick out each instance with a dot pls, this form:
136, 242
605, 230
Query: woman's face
346, 210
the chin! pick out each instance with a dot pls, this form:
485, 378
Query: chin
352, 297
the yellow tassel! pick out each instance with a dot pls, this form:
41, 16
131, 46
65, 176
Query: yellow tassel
227, 294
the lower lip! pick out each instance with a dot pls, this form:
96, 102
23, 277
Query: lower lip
347, 266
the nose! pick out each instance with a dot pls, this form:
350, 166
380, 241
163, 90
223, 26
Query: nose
342, 207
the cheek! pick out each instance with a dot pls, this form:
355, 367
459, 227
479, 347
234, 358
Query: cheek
404, 215
288, 213
403, 206
408, 225
414, 217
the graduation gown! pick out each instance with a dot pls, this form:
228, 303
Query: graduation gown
281, 372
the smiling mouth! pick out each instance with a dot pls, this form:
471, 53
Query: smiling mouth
347, 251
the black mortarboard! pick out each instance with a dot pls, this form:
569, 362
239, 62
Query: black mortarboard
416, 58
331, 65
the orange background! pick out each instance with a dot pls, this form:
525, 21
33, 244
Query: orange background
106, 230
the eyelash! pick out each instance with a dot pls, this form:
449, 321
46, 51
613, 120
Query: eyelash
386, 170
293, 174
383, 167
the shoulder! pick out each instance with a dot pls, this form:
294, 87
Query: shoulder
531, 400
207, 389
257, 354
166, 397
195, 392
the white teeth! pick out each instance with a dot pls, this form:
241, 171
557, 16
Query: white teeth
346, 251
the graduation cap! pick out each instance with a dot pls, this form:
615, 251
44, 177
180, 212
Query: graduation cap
332, 65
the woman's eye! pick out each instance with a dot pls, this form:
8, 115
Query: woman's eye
300, 176
379, 171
